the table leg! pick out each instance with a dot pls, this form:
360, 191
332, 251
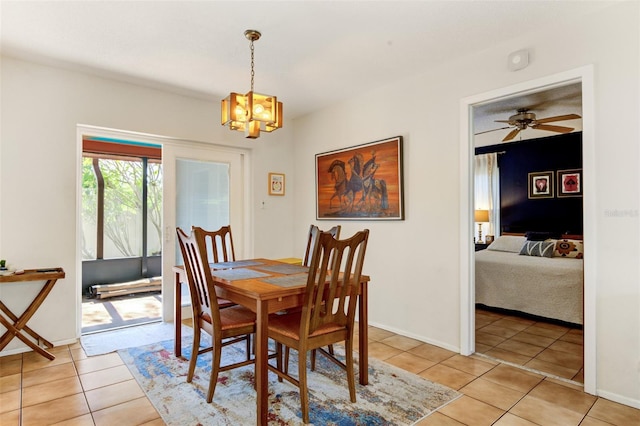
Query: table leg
363, 334
13, 331
28, 313
26, 328
262, 358
177, 317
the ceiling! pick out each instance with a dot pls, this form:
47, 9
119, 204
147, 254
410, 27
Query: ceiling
546, 103
311, 54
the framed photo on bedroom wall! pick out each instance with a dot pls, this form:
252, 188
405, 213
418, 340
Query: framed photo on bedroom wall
541, 185
570, 183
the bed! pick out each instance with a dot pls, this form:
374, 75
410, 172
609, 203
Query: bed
532, 283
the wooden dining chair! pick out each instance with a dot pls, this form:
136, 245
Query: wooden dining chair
225, 326
328, 310
219, 246
312, 240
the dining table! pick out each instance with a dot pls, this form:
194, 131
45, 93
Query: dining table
267, 286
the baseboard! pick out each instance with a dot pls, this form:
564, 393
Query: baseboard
405, 333
25, 348
619, 399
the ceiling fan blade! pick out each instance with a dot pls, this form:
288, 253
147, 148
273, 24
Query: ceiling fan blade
558, 129
558, 118
493, 130
512, 134
503, 121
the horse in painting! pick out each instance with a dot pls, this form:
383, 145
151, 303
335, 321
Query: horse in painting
339, 176
375, 189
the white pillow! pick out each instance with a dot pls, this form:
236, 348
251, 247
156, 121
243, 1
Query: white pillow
509, 243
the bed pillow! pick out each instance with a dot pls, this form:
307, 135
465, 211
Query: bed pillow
538, 248
573, 249
508, 243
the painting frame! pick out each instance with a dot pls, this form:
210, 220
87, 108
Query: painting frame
276, 183
361, 182
569, 183
541, 185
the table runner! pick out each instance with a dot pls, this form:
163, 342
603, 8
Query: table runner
286, 269
238, 274
288, 280
234, 264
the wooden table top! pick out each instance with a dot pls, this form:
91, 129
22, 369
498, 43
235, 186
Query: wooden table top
257, 288
34, 275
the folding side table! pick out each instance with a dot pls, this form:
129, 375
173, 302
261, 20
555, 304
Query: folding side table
19, 326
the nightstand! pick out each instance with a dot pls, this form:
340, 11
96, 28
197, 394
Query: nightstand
481, 246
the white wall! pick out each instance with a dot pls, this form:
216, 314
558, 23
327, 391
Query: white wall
41, 108
415, 263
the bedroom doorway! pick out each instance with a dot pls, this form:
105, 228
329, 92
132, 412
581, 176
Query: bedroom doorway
537, 326
469, 321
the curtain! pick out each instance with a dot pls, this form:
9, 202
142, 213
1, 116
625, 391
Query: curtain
487, 191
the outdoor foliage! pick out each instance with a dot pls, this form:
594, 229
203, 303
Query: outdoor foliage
122, 204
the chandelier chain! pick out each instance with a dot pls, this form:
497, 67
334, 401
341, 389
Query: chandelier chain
252, 72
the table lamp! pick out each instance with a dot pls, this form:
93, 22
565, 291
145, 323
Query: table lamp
481, 216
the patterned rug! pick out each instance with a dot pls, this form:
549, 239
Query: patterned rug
393, 396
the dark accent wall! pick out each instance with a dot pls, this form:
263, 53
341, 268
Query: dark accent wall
516, 160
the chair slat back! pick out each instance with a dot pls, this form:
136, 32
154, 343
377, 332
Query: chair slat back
312, 240
334, 278
196, 264
219, 244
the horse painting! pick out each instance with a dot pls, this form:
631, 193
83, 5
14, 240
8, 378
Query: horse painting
361, 182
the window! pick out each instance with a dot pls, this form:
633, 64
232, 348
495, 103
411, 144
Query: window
121, 202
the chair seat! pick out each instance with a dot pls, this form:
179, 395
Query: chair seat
233, 317
289, 325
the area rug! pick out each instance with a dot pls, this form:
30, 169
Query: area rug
393, 396
110, 341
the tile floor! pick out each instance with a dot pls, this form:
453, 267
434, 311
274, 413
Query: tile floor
553, 349
77, 390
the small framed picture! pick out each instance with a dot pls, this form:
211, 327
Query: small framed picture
570, 183
276, 183
541, 185
489, 239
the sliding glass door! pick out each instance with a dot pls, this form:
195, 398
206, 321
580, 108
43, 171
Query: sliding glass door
206, 189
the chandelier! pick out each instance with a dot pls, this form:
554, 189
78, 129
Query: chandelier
253, 112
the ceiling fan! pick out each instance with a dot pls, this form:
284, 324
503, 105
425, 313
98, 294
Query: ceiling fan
524, 119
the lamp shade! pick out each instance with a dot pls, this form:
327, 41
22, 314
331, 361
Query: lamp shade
481, 216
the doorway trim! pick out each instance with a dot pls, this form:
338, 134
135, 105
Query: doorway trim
164, 141
583, 75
